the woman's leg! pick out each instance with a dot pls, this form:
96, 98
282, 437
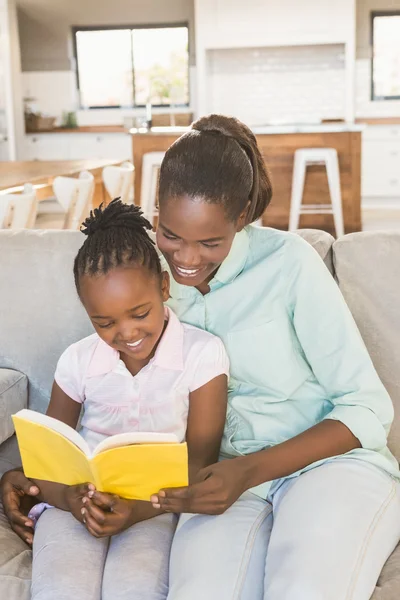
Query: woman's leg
138, 559
334, 528
67, 561
222, 557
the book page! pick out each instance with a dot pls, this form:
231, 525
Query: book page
65, 430
138, 437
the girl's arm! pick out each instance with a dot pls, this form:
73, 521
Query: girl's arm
206, 420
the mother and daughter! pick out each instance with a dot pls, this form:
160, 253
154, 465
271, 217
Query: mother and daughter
305, 501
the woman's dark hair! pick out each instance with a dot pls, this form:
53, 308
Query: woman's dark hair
218, 160
116, 236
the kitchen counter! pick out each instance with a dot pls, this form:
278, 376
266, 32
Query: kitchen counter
278, 144
84, 129
262, 129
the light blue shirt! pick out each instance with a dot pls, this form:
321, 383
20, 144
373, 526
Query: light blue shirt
296, 354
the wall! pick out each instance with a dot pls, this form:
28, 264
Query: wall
47, 53
287, 84
364, 105
45, 25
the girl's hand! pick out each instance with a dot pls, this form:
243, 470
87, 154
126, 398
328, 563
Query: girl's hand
216, 488
106, 514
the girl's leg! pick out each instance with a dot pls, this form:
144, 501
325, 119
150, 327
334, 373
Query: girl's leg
222, 557
138, 559
67, 561
334, 528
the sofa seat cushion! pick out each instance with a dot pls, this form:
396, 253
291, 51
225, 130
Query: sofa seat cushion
13, 397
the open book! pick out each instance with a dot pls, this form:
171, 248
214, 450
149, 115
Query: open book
131, 465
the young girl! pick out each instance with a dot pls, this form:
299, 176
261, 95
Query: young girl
141, 371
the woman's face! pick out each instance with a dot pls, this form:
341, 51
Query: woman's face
195, 237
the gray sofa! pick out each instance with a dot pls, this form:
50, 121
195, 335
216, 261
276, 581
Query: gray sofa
40, 315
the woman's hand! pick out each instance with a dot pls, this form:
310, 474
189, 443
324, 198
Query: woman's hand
216, 488
106, 514
18, 496
73, 496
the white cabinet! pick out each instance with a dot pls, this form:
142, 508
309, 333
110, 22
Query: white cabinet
78, 146
381, 163
239, 24
115, 146
47, 146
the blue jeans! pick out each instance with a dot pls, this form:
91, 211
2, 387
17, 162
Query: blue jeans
324, 535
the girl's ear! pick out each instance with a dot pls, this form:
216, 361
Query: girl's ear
242, 220
165, 285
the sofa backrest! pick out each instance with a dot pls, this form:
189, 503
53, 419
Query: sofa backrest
40, 313
367, 267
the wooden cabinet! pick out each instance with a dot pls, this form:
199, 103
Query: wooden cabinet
78, 146
381, 164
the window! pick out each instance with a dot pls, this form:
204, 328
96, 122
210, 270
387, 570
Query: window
386, 56
130, 66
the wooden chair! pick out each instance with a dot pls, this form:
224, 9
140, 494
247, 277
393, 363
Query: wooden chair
6, 211
25, 207
118, 181
75, 197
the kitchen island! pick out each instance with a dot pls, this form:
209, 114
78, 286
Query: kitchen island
278, 145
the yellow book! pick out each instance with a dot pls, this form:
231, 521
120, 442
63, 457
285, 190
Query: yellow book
131, 465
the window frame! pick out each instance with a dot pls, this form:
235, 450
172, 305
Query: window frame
75, 29
374, 14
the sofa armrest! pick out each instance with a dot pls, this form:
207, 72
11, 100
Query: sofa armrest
13, 397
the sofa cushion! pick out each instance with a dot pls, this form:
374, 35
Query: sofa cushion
9, 455
322, 242
388, 586
367, 267
13, 397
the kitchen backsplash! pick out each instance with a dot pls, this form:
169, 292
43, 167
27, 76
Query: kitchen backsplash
296, 84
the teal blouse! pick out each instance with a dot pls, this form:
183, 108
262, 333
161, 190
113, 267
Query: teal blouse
296, 355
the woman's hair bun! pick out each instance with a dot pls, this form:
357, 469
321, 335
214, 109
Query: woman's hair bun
227, 126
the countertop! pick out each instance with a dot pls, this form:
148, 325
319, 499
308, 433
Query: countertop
267, 130
258, 130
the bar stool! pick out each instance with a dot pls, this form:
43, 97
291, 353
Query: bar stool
316, 156
149, 189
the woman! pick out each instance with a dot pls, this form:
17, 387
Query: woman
308, 506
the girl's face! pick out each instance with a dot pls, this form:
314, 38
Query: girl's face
126, 309
195, 237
